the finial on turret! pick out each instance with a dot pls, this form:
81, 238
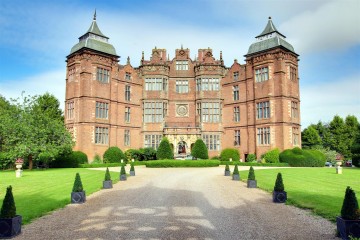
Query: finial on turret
128, 60
94, 15
142, 55
220, 55
182, 46
269, 18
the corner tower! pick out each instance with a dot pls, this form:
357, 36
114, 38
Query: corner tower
91, 69
272, 84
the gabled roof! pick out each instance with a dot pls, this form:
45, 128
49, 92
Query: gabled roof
270, 28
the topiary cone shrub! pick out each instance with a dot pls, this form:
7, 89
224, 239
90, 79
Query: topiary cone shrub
348, 224
227, 170
107, 183
10, 223
200, 150
279, 195
251, 182
78, 193
122, 173
132, 169
236, 175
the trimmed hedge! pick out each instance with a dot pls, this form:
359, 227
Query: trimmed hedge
230, 153
297, 157
255, 164
355, 150
164, 150
182, 163
200, 150
113, 155
99, 165
271, 156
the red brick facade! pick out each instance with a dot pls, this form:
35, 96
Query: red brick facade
184, 99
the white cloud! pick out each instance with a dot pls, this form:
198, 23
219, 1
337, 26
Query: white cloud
332, 26
324, 100
52, 82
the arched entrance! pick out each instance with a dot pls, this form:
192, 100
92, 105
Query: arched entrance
182, 148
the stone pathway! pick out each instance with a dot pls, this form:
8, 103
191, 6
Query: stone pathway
178, 203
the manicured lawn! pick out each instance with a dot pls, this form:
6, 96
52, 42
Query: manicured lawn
318, 189
41, 191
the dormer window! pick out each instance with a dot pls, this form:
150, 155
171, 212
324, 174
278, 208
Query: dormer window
182, 65
127, 76
236, 76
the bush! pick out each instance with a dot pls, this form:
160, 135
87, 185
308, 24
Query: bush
164, 150
147, 154
350, 205
98, 165
133, 154
80, 157
182, 163
271, 156
251, 175
279, 185
8, 209
227, 168
122, 170
71, 160
228, 153
215, 158
107, 175
297, 157
200, 150
255, 164
132, 168
236, 170
251, 158
113, 155
97, 159
78, 187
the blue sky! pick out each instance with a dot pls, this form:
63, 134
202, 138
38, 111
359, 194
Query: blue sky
37, 35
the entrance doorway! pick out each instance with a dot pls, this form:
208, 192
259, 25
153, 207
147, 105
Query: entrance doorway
182, 147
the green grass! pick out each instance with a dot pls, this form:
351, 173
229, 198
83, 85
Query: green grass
182, 163
318, 189
38, 192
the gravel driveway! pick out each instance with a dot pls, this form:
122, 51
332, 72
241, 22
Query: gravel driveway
179, 203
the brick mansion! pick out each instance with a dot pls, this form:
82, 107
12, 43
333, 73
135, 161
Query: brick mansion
253, 107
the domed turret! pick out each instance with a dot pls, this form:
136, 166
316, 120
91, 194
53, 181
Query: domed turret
94, 39
269, 38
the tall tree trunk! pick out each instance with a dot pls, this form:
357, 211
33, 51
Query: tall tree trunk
30, 162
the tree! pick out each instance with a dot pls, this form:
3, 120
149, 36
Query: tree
341, 141
49, 105
164, 150
310, 138
113, 155
355, 150
200, 150
32, 133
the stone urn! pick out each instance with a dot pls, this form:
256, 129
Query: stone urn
18, 163
338, 167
